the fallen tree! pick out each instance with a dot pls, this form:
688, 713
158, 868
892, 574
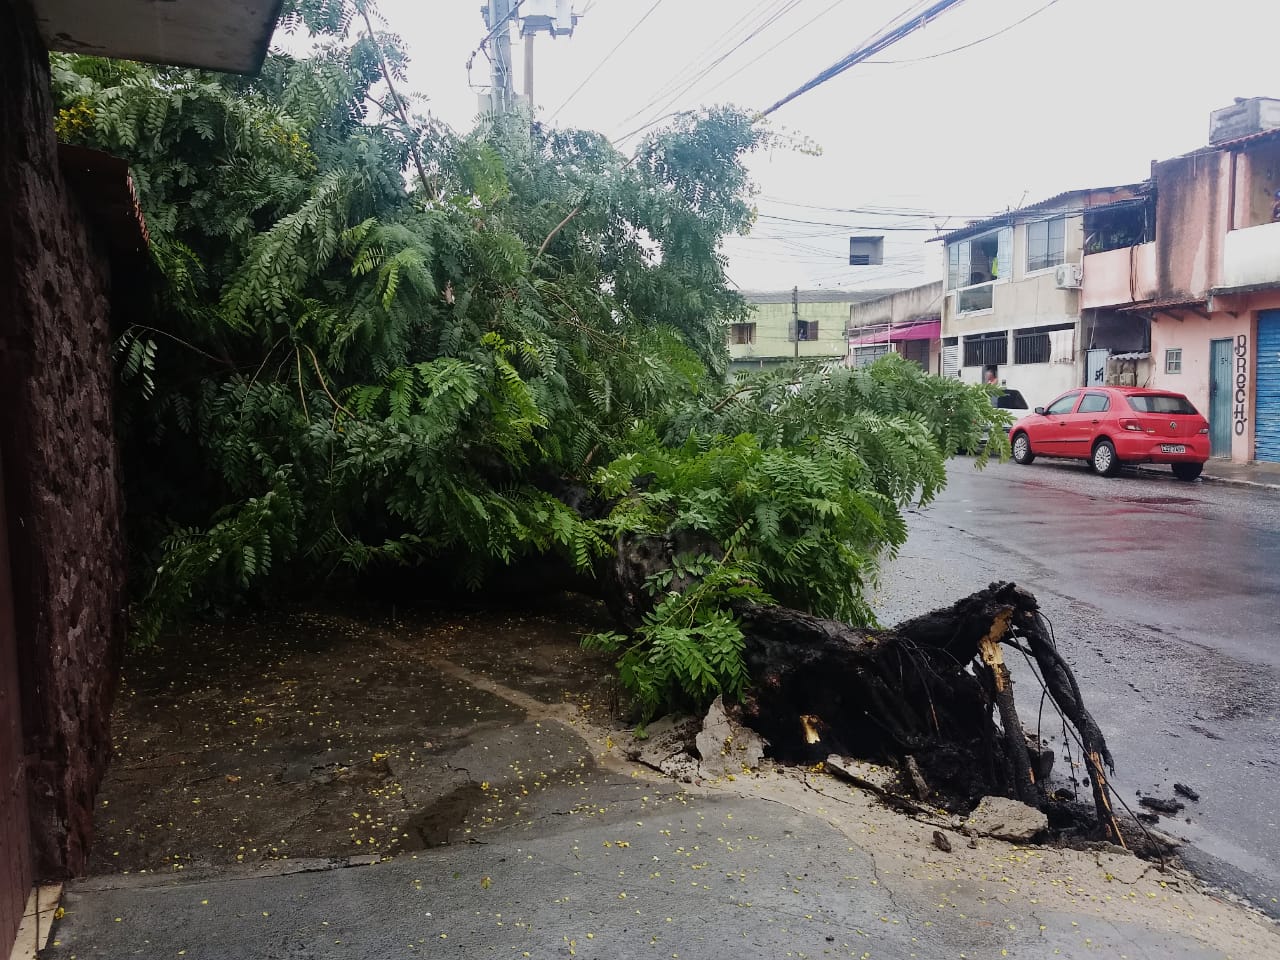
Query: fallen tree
931, 695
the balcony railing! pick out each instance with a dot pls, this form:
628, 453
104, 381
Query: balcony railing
1119, 277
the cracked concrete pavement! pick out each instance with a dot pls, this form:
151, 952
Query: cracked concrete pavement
624, 863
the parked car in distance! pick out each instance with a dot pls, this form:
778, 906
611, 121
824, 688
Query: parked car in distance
1112, 426
1006, 399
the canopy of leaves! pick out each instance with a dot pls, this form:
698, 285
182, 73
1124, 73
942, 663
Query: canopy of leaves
377, 341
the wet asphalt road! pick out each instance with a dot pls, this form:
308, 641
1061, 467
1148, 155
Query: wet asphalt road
1165, 597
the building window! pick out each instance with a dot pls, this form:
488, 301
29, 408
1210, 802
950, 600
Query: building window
864, 356
986, 349
806, 329
979, 259
1126, 223
1046, 243
975, 299
1035, 345
742, 333
1173, 360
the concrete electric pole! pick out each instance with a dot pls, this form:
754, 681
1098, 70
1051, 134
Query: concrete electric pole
498, 19
553, 17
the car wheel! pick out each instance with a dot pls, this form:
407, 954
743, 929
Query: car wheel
1187, 471
1105, 461
1022, 452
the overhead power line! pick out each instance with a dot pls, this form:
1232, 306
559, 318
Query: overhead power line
493, 31
607, 57
972, 43
894, 228
681, 76
873, 210
752, 62
877, 44
770, 18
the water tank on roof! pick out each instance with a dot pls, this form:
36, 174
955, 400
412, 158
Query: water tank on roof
1244, 118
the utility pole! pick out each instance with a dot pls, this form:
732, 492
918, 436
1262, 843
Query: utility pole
795, 318
528, 67
498, 19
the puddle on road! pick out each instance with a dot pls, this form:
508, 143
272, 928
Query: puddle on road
1160, 501
442, 820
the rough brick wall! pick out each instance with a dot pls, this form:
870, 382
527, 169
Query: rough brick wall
61, 469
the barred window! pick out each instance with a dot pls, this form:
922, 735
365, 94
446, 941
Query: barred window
986, 349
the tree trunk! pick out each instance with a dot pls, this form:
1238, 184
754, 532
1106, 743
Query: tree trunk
931, 695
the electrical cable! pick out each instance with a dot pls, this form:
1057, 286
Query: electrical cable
850, 226
882, 42
493, 31
751, 63
673, 90
607, 57
663, 116
674, 81
875, 211
971, 43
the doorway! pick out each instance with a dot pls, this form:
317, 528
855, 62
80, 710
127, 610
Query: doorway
1096, 368
1220, 356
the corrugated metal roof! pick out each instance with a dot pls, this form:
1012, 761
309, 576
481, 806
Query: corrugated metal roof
1163, 304
1251, 138
816, 296
1010, 217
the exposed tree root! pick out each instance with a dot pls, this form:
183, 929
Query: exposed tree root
924, 695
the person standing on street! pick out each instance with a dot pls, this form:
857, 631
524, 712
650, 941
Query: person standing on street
990, 374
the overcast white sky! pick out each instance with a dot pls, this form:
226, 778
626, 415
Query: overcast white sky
1084, 93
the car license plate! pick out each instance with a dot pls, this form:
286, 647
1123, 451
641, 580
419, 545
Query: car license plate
1172, 448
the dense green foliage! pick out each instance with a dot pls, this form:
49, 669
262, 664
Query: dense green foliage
380, 342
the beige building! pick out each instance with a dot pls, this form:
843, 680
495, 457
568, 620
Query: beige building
1013, 295
906, 323
787, 326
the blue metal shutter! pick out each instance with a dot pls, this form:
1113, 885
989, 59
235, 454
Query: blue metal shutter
1266, 416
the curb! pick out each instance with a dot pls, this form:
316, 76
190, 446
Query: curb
1210, 478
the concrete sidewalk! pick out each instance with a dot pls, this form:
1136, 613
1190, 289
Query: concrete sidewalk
784, 864
618, 862
724, 876
1261, 475
1248, 474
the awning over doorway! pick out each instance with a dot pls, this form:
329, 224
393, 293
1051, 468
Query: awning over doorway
895, 333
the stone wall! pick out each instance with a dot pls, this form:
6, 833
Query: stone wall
61, 465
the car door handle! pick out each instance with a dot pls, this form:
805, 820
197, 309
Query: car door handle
1095, 421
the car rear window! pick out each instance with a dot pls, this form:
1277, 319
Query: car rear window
1160, 403
1010, 400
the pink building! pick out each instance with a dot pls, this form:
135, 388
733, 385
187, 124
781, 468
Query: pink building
1197, 264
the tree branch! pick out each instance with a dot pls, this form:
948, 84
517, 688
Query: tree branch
399, 102
560, 226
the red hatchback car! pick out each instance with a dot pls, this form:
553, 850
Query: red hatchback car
1112, 426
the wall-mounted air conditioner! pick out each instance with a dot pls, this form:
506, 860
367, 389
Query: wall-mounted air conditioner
1067, 276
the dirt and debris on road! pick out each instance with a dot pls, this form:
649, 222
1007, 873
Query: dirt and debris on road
313, 734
